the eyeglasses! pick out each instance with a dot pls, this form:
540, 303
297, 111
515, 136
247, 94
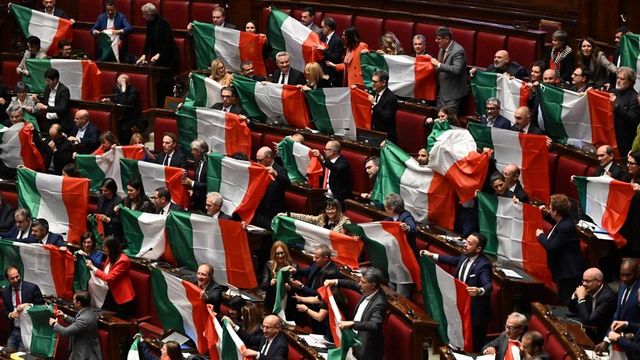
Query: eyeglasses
632, 163
280, 253
327, 149
211, 205
511, 328
491, 108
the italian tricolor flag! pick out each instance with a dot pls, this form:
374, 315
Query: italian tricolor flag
99, 167
224, 132
48, 28
339, 111
63, 201
230, 46
512, 93
389, 250
44, 265
528, 151
203, 91
510, 229
242, 184
280, 305
37, 335
198, 239
266, 101
229, 344
82, 77
582, 117
179, 306
17, 147
606, 201
109, 44
133, 353
630, 54
154, 176
447, 302
413, 77
454, 156
428, 196
144, 233
303, 235
301, 165
288, 34
335, 315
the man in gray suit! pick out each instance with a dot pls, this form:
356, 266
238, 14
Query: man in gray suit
83, 329
451, 66
308, 18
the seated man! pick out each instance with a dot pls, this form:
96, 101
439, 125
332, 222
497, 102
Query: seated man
211, 291
522, 117
285, 74
493, 117
531, 346
171, 154
274, 346
322, 264
16, 298
511, 174
606, 165
55, 103
60, 152
41, 234
580, 80
248, 70
213, 206
65, 49
228, 104
595, 303
502, 64
162, 201
84, 133
21, 229
423, 157
112, 22
514, 329
371, 167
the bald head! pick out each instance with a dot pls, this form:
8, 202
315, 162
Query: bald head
55, 130
81, 118
501, 59
264, 156
592, 280
511, 174
271, 326
605, 155
549, 77
522, 116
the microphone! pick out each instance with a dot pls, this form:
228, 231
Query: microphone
145, 253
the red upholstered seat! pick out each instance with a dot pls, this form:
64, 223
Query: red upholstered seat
124, 6
567, 167
397, 338
137, 19
359, 179
161, 126
82, 39
487, 44
553, 164
554, 348
103, 338
343, 21
141, 82
522, 51
201, 11
403, 31
256, 141
370, 30
11, 198
591, 170
9, 75
296, 202
136, 44
271, 140
496, 324
185, 53
352, 297
88, 10
429, 32
294, 354
141, 282
536, 324
357, 217
108, 81
438, 250
297, 14
176, 12
467, 39
101, 119
411, 132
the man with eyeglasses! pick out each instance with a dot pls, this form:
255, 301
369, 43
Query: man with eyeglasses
228, 104
580, 79
248, 70
274, 345
509, 340
493, 117
451, 67
594, 302
213, 206
384, 105
337, 177
21, 230
273, 201
210, 291
626, 111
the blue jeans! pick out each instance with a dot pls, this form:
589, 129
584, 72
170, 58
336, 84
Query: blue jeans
15, 340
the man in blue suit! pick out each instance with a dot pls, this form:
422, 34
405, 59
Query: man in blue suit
493, 117
41, 234
15, 299
474, 269
21, 230
117, 23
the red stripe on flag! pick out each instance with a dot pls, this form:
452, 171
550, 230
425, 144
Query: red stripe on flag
133, 152
31, 157
468, 174
618, 204
259, 180
441, 202
463, 302
601, 111
535, 166
325, 293
237, 255
75, 196
309, 50
314, 171
361, 108
211, 334
63, 32
425, 76
294, 107
347, 247
534, 256
173, 178
62, 270
199, 313
237, 137
525, 92
250, 49
408, 258
91, 81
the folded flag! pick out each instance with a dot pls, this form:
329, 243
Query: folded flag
349, 339
339, 111
577, 117
288, 34
37, 335
413, 77
179, 306
98, 290
154, 176
630, 54
241, 183
198, 239
606, 201
389, 250
17, 147
265, 101
528, 151
303, 235
109, 44
133, 353
144, 233
510, 229
447, 302
224, 132
82, 77
48, 28
203, 91
232, 345
279, 306
335, 315
63, 201
454, 156
511, 92
230, 46
99, 167
44, 265
301, 165
427, 195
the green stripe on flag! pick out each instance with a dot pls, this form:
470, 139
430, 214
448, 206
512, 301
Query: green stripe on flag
197, 90
43, 338
88, 167
167, 312
132, 231
481, 134
214, 172
274, 24
28, 195
439, 128
370, 63
348, 339
178, 229
285, 150
35, 80
432, 296
229, 349
483, 87
318, 109
246, 90
106, 44
187, 126
630, 50
129, 171
10, 255
487, 210
377, 252
392, 167
23, 17
581, 185
82, 274
204, 37
551, 100
282, 277
284, 229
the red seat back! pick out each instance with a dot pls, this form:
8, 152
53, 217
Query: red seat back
271, 140
124, 6
136, 44
103, 338
161, 126
487, 44
343, 21
352, 297
403, 31
438, 250
10, 197
411, 131
429, 32
176, 12
9, 75
294, 354
137, 19
296, 202
201, 11
467, 39
141, 282
256, 141
359, 179
357, 217
88, 10
185, 53
554, 348
397, 338
522, 51
141, 82
567, 167
536, 324
370, 30
108, 81
101, 119
82, 39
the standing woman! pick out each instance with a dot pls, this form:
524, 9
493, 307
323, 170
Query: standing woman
631, 230
116, 272
316, 79
107, 200
280, 258
351, 65
559, 58
564, 258
596, 61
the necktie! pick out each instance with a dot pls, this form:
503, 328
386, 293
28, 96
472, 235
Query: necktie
377, 97
167, 160
17, 291
625, 296
281, 78
264, 348
225, 110
162, 212
463, 270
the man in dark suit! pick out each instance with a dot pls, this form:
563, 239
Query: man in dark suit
55, 103
395, 211
626, 111
515, 327
85, 135
249, 71
315, 274
370, 313
308, 18
49, 7
228, 104
493, 117
451, 66
171, 155
131, 120
502, 64
161, 199
474, 269
384, 105
511, 174
60, 150
284, 74
107, 201
198, 185
7, 215
522, 117
337, 178
213, 204
334, 52
594, 302
607, 166
83, 328
274, 346
211, 291
273, 201
41, 234
121, 27
21, 230
218, 18
15, 299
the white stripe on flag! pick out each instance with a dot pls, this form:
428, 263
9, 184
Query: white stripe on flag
153, 176
398, 272
597, 194
301, 156
98, 289
510, 229
152, 227
414, 188
401, 73
26, 329
51, 206
214, 89
10, 148
234, 182
313, 235
575, 116
338, 105
178, 296
211, 128
45, 27
508, 91
507, 148
449, 300
295, 34
208, 247
226, 47
269, 99
70, 75
37, 265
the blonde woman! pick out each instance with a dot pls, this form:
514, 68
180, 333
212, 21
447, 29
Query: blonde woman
219, 73
280, 258
316, 79
390, 45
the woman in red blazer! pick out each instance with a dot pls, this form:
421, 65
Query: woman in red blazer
115, 271
351, 65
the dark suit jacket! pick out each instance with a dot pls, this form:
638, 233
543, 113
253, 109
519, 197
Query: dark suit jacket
83, 330
229, 25
52, 239
520, 194
278, 350
213, 291
563, 250
600, 316
533, 129
178, 159
199, 187
383, 114
615, 170
452, 73
120, 22
7, 220
105, 207
335, 53
30, 294
61, 157
500, 344
513, 68
479, 276
315, 278
172, 207
630, 311
631, 346
370, 326
160, 40
61, 105
224, 216
500, 122
235, 108
626, 115
90, 140
13, 234
273, 201
295, 77
339, 178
